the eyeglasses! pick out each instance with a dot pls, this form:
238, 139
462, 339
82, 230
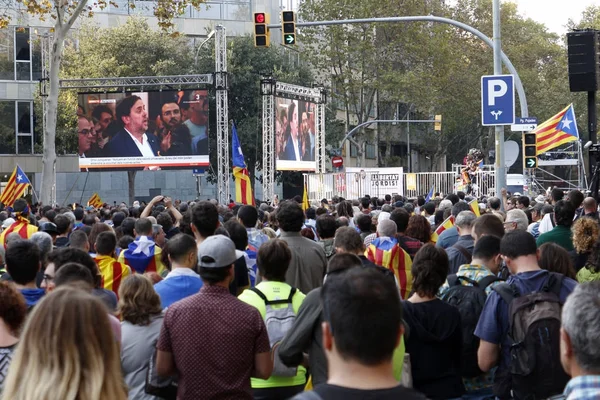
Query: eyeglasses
86, 132
48, 278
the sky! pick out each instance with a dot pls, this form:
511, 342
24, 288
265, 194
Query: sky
553, 13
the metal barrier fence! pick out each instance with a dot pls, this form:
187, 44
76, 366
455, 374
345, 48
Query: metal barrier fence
353, 185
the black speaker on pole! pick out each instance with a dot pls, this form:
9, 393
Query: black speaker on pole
584, 60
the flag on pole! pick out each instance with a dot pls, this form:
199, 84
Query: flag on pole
243, 187
430, 194
95, 201
15, 187
447, 224
305, 203
560, 129
474, 204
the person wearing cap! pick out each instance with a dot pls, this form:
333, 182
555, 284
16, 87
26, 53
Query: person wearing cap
536, 217
213, 341
7, 222
22, 226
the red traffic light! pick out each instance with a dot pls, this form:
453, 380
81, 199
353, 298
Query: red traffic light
259, 18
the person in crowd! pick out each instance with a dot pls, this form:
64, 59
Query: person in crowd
359, 343
133, 140
64, 226
364, 225
536, 217
450, 236
143, 255
164, 219
326, 227
401, 217
309, 261
67, 344
428, 211
487, 224
79, 240
158, 235
273, 261
96, 230
22, 225
435, 340
344, 209
591, 271
564, 213
579, 351
60, 257
141, 312
112, 271
516, 219
23, 264
519, 252
554, 258
575, 197
248, 217
182, 281
419, 228
241, 342
79, 214
523, 203
238, 234
461, 252
548, 221
346, 241
590, 208
586, 233
13, 311
386, 251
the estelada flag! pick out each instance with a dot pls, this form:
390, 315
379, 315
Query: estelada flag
15, 187
447, 224
474, 204
143, 255
95, 201
560, 129
243, 186
386, 252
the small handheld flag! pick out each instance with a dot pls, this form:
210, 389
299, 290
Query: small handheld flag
15, 187
95, 201
430, 194
474, 204
447, 224
243, 186
560, 129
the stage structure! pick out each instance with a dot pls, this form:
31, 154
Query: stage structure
270, 90
218, 79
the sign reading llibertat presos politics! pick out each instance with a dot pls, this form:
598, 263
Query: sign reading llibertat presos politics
373, 181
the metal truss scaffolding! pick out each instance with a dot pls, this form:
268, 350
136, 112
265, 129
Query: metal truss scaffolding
219, 80
269, 90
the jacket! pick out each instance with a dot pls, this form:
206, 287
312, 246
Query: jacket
308, 265
121, 145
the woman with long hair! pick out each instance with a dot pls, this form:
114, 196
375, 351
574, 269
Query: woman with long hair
69, 347
13, 311
591, 271
419, 228
435, 339
585, 234
554, 258
139, 306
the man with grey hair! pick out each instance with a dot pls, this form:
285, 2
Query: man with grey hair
387, 228
579, 350
462, 251
516, 220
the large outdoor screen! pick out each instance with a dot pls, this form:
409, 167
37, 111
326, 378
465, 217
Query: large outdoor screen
143, 130
295, 135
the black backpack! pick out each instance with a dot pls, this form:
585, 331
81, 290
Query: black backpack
535, 370
469, 300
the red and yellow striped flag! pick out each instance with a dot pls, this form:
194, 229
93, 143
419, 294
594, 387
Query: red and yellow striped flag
95, 201
474, 204
387, 252
243, 185
447, 224
16, 186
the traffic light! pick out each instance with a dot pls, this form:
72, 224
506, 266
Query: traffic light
288, 29
438, 123
529, 150
262, 37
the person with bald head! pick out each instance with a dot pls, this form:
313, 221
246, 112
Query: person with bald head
386, 251
590, 208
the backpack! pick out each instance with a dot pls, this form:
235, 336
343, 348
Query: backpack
535, 370
278, 322
469, 300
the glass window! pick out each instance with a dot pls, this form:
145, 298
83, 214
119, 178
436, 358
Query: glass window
24, 117
36, 59
23, 71
22, 48
7, 62
207, 11
7, 127
370, 151
25, 144
237, 12
353, 150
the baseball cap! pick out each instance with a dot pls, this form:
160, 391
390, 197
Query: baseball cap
7, 222
48, 227
540, 199
216, 251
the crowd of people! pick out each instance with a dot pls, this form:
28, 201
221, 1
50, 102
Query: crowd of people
371, 298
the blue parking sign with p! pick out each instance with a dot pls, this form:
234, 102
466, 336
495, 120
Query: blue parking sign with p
497, 100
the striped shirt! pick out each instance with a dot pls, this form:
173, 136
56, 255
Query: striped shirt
585, 387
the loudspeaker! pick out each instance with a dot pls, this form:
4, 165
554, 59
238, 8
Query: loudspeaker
584, 60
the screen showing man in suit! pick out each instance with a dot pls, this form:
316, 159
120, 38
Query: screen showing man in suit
144, 130
295, 135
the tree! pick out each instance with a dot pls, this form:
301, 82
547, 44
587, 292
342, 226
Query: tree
65, 13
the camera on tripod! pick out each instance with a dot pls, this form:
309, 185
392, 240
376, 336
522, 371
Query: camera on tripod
594, 150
